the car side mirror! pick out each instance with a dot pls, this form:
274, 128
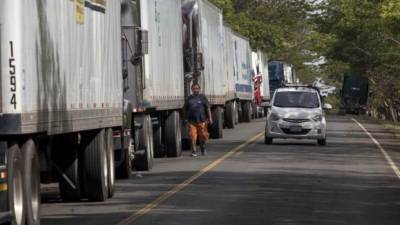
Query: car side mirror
327, 107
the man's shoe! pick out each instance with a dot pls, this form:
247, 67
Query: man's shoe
194, 154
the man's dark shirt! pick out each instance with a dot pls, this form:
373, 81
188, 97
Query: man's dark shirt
196, 108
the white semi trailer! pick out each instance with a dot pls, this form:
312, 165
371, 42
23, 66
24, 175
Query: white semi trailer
204, 56
61, 99
243, 78
153, 78
231, 118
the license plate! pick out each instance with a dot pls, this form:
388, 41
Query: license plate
295, 129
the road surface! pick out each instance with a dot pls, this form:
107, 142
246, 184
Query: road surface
353, 180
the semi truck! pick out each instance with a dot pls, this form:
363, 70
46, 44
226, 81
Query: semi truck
354, 94
61, 102
203, 48
243, 78
153, 78
280, 73
261, 81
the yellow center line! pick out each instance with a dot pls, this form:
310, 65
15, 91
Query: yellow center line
149, 207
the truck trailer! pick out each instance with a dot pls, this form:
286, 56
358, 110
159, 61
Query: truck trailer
61, 101
243, 77
154, 79
203, 49
261, 81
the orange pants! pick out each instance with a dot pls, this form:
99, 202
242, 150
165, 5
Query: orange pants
198, 131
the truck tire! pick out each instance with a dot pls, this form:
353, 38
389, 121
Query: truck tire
68, 160
240, 112
159, 150
216, 128
173, 135
247, 112
186, 143
15, 184
110, 161
236, 105
123, 171
95, 166
254, 114
31, 183
230, 115
144, 161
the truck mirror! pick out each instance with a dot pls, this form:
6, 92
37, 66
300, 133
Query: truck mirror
199, 61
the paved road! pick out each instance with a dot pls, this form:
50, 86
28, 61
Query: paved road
349, 181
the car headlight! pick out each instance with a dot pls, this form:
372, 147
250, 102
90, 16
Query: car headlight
275, 117
317, 118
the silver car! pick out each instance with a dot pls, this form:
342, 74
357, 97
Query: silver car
296, 112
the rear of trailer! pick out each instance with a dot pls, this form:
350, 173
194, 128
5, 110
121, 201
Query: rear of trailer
61, 98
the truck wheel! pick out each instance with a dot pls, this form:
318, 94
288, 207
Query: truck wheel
31, 181
230, 115
15, 184
110, 161
247, 112
235, 105
173, 135
216, 128
68, 160
185, 136
144, 160
95, 166
240, 112
123, 171
254, 114
159, 150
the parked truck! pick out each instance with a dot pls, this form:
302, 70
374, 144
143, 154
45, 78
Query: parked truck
280, 73
153, 77
243, 78
203, 49
231, 105
354, 94
261, 81
61, 101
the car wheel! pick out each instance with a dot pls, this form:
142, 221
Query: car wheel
322, 142
268, 140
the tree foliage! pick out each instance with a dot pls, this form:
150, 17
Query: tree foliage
350, 36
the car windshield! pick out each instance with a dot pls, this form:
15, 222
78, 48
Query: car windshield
296, 99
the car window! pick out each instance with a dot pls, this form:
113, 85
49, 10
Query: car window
296, 99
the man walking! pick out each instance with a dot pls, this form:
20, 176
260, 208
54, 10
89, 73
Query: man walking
198, 113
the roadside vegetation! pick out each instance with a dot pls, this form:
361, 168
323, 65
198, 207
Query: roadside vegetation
329, 38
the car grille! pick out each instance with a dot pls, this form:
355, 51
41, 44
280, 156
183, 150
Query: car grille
296, 120
302, 132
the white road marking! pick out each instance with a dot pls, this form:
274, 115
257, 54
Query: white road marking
384, 152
